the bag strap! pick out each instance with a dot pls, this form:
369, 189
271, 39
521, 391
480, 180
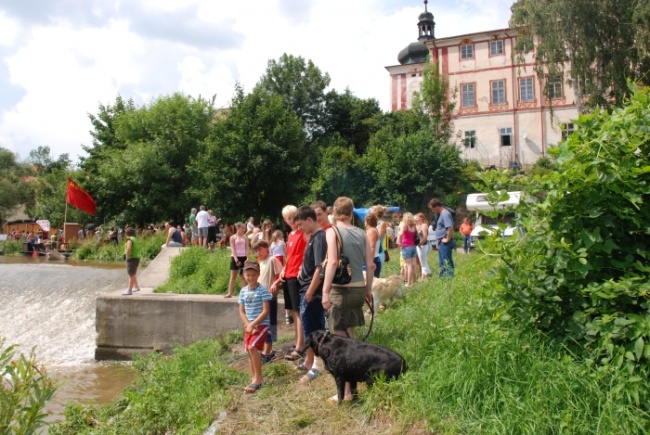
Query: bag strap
339, 241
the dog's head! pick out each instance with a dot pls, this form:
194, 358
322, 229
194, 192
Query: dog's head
314, 341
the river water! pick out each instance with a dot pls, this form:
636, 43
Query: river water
50, 306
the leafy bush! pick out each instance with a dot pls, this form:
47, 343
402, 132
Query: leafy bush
11, 247
92, 250
580, 274
25, 389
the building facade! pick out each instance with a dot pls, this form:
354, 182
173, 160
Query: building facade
503, 117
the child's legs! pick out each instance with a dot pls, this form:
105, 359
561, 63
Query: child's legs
231, 283
255, 364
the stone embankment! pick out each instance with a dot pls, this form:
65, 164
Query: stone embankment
148, 321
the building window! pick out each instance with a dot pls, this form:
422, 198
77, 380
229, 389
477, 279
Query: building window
467, 51
524, 43
506, 136
498, 91
567, 130
470, 139
496, 48
468, 95
554, 87
526, 91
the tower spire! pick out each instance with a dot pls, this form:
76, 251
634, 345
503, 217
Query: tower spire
426, 25
425, 5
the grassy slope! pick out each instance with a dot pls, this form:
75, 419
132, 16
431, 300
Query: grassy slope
466, 375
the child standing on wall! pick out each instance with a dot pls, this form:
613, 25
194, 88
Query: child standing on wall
132, 255
254, 308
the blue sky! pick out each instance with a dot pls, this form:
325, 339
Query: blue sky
60, 59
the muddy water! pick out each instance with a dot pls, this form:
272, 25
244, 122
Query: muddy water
50, 307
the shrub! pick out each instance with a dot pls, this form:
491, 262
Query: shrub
580, 274
26, 388
197, 271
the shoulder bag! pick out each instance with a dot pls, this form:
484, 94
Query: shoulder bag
343, 273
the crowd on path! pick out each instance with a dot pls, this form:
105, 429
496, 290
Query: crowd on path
302, 263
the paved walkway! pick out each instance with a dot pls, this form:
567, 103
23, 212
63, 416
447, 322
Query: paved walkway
157, 272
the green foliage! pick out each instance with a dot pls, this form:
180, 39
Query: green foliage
178, 394
580, 274
606, 42
253, 157
14, 190
410, 167
435, 100
301, 84
11, 247
25, 389
140, 175
197, 271
92, 250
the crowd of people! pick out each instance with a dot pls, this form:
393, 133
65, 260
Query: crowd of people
301, 262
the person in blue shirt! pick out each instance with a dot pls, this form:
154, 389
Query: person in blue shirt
444, 231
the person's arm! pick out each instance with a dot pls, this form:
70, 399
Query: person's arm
369, 276
129, 244
266, 307
381, 228
400, 231
232, 250
169, 236
242, 316
277, 270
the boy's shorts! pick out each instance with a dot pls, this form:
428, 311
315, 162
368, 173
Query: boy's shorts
132, 266
257, 339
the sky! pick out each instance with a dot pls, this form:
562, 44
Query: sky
61, 59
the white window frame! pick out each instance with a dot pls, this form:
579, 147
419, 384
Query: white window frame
555, 87
505, 134
567, 130
526, 89
496, 47
465, 91
498, 89
467, 51
469, 139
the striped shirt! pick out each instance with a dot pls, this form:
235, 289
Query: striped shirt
253, 302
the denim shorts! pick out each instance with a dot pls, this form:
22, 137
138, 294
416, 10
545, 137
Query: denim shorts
409, 252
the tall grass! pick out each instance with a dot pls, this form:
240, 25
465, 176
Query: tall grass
197, 271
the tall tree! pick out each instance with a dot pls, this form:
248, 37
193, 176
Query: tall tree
143, 176
15, 190
435, 100
254, 161
301, 84
606, 42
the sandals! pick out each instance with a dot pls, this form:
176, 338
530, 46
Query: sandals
310, 375
335, 399
292, 356
252, 388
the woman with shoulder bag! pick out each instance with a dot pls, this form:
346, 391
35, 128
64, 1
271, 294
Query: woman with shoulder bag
348, 298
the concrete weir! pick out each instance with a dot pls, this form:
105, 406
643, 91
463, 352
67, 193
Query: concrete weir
147, 321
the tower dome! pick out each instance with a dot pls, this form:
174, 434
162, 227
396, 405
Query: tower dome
417, 52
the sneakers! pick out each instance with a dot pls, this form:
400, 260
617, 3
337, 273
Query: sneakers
268, 358
288, 320
127, 292
136, 290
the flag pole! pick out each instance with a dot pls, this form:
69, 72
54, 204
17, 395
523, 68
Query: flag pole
65, 218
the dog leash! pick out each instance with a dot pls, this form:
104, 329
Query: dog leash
372, 318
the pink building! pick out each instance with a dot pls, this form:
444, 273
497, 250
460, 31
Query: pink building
502, 117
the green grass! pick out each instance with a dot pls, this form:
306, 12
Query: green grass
92, 250
198, 271
467, 374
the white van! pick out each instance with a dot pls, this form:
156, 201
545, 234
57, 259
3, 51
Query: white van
477, 202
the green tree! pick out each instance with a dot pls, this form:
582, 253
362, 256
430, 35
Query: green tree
15, 190
435, 100
407, 165
351, 119
142, 176
606, 42
301, 84
255, 160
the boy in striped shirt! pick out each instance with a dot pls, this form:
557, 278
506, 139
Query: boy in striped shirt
254, 307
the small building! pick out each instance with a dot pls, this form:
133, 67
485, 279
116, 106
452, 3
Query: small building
503, 117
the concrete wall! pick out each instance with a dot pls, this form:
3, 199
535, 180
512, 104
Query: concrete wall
147, 321
129, 325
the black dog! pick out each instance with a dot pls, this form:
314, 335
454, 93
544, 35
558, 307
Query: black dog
353, 361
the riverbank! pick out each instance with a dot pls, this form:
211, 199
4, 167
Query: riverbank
467, 374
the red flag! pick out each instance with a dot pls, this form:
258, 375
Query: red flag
79, 198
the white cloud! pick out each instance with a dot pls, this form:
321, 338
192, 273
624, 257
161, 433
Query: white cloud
61, 67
